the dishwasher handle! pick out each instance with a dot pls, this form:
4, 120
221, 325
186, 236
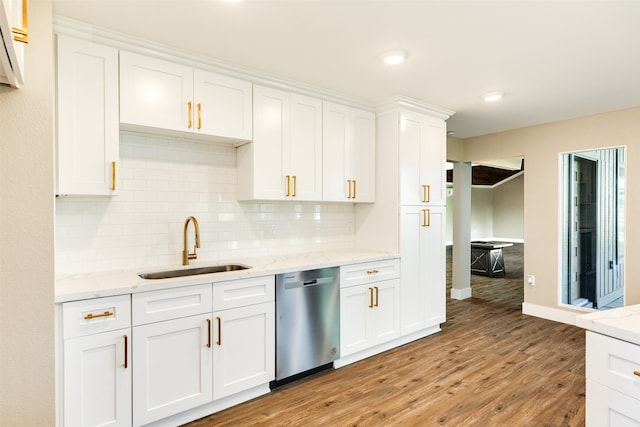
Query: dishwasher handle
308, 283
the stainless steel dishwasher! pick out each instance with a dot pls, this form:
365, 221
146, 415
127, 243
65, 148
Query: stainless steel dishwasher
307, 322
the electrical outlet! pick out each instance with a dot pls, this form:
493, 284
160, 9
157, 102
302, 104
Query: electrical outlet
531, 280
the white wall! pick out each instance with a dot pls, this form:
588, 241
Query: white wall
26, 231
508, 209
162, 182
496, 212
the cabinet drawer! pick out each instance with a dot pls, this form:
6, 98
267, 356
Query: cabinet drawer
608, 408
166, 304
369, 272
91, 316
614, 363
238, 293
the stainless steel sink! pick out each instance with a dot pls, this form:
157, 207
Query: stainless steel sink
193, 271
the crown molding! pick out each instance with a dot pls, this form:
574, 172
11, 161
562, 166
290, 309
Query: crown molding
406, 103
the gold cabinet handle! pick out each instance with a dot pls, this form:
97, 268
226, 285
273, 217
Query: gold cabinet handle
199, 115
354, 189
426, 217
374, 271
95, 316
126, 352
377, 292
288, 193
295, 186
219, 342
349, 185
113, 176
22, 34
636, 373
370, 297
208, 333
426, 193
190, 104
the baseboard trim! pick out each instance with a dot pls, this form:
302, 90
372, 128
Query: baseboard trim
550, 313
460, 293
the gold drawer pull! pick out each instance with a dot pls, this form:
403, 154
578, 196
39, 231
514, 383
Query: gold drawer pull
636, 373
370, 297
377, 291
426, 193
219, 342
95, 316
113, 176
372, 271
126, 351
209, 333
288, 178
199, 115
190, 105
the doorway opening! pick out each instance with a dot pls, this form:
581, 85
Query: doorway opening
593, 228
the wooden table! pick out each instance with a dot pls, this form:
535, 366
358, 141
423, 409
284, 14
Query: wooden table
487, 258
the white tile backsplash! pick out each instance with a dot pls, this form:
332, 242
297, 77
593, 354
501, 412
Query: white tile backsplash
162, 181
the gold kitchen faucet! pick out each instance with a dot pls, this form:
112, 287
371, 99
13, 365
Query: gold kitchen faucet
186, 256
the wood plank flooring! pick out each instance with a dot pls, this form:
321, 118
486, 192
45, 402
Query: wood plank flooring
490, 366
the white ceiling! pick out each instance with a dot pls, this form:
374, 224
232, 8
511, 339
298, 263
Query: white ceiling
553, 59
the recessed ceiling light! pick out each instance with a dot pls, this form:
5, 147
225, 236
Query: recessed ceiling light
451, 132
492, 96
394, 57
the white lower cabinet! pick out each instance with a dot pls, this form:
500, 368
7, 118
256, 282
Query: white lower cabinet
97, 380
243, 348
423, 249
97, 362
613, 382
369, 309
173, 367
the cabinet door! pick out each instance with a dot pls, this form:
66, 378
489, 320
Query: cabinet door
97, 379
606, 407
173, 370
243, 348
384, 316
270, 134
155, 93
423, 263
355, 305
362, 158
335, 135
223, 106
88, 126
422, 159
304, 160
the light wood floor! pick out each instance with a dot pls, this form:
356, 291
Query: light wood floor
490, 366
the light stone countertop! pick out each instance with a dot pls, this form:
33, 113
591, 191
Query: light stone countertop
102, 284
622, 323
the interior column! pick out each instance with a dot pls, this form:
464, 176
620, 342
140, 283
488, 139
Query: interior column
461, 262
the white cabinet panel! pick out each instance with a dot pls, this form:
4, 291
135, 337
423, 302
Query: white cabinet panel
173, 367
155, 93
284, 161
369, 315
607, 407
422, 290
222, 106
168, 96
166, 304
348, 155
422, 160
97, 379
87, 118
244, 348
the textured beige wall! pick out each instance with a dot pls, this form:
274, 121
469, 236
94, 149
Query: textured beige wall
541, 146
26, 235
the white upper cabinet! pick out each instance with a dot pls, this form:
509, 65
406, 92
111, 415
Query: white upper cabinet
87, 119
348, 154
169, 96
13, 35
422, 159
284, 161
